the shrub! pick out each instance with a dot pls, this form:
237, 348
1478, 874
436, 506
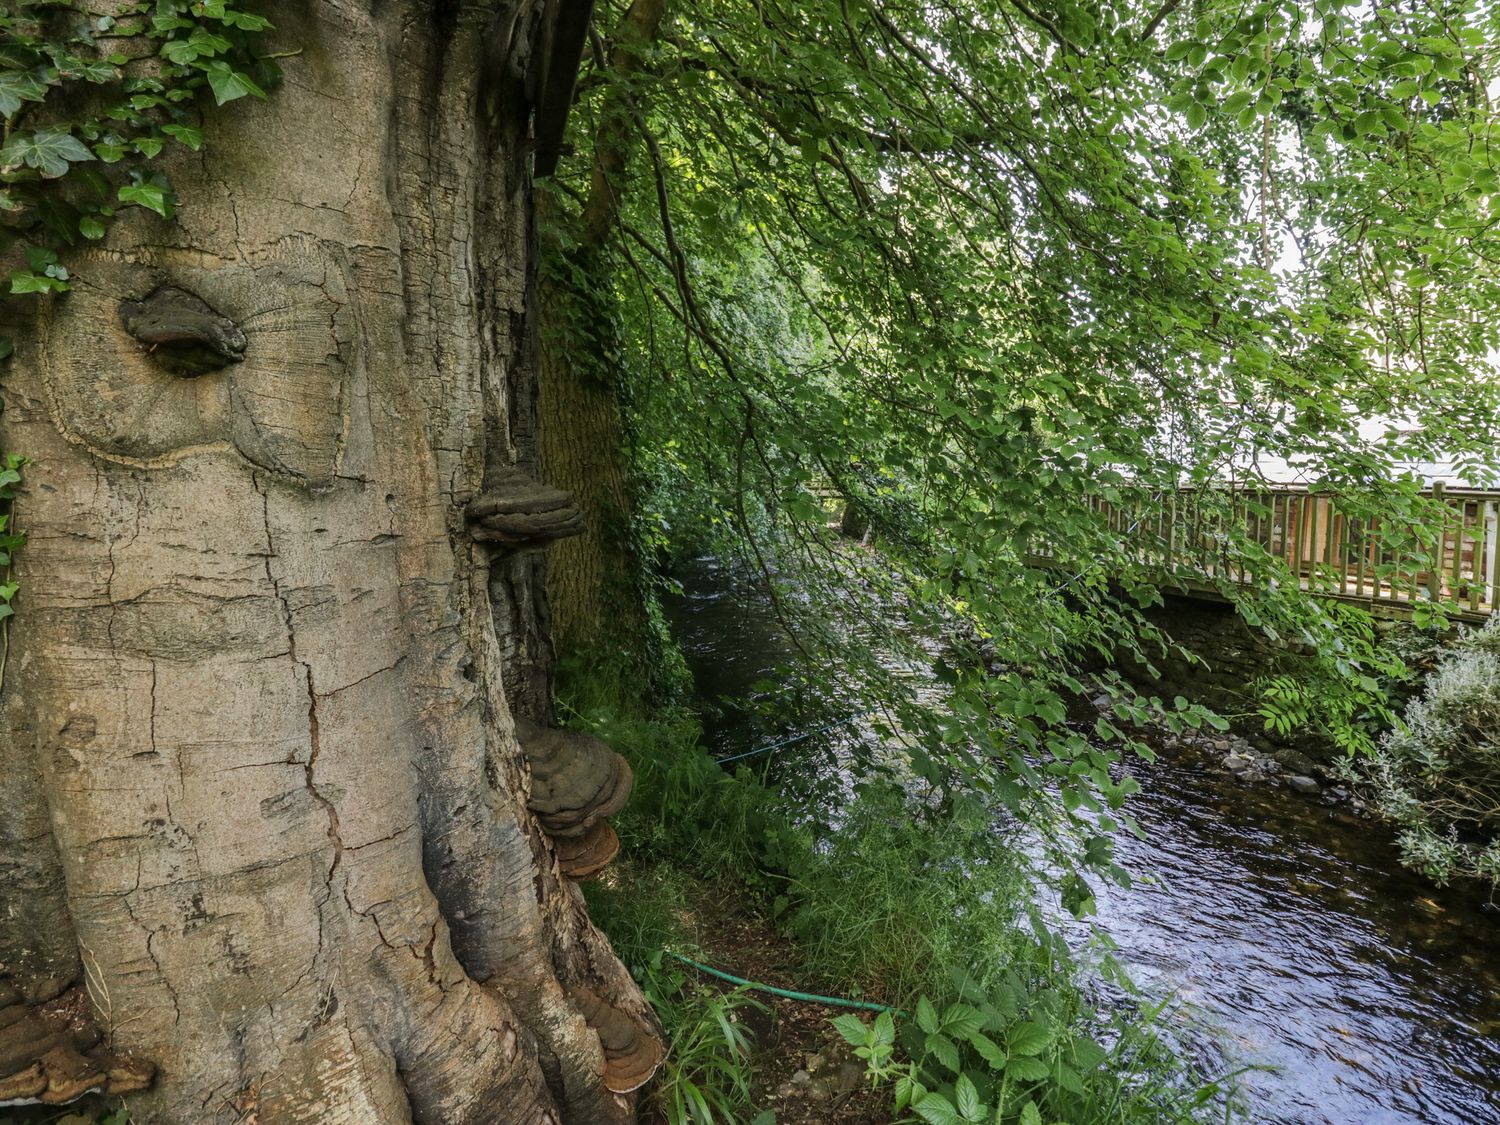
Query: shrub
1437, 776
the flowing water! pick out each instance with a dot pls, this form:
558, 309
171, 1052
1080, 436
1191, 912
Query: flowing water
1286, 929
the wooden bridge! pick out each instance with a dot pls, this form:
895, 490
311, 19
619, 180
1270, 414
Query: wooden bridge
1333, 552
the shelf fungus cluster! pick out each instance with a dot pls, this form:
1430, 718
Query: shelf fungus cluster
521, 514
50, 1053
576, 781
631, 1056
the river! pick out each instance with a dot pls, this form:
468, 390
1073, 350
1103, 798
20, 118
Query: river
1289, 935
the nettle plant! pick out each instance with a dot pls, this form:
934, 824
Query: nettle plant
90, 98
979, 1060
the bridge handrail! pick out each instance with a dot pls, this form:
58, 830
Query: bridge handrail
1330, 548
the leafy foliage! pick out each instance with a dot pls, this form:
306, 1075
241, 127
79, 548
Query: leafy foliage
977, 271
90, 101
1007, 1053
1437, 776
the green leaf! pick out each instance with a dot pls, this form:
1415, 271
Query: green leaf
967, 1097
906, 1090
927, 1017
1030, 1114
1029, 1038
228, 83
1027, 1070
960, 1021
885, 1029
25, 281
151, 196
17, 86
852, 1028
944, 1050
49, 151
245, 21
988, 1050
187, 134
936, 1110
90, 227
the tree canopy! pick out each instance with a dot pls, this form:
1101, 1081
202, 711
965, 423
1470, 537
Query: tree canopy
978, 266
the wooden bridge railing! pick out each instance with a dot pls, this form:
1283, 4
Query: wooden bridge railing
1332, 551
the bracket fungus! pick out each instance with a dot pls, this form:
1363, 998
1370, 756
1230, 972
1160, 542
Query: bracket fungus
583, 857
50, 1053
182, 332
631, 1052
576, 781
523, 514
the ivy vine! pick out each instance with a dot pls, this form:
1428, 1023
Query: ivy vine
89, 102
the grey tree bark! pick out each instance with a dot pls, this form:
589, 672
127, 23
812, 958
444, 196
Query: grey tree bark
261, 792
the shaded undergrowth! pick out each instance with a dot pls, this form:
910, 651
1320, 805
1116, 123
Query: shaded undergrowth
927, 910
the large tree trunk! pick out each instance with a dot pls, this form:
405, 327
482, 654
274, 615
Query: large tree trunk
594, 581
261, 791
597, 580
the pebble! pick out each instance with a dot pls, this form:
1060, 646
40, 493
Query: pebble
1304, 784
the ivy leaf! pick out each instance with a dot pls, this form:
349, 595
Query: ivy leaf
228, 83
186, 134
17, 86
245, 21
96, 71
49, 151
91, 228
151, 196
180, 51
25, 281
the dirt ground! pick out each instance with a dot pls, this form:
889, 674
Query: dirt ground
806, 1074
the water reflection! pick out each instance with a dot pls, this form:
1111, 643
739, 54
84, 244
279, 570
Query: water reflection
1292, 928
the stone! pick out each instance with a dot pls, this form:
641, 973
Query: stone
1295, 760
1301, 783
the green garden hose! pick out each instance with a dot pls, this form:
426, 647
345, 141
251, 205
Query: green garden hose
808, 997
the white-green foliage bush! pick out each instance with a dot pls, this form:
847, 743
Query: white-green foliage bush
1438, 776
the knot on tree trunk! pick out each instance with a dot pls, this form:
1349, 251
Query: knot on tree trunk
523, 514
576, 781
50, 1053
182, 332
631, 1052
